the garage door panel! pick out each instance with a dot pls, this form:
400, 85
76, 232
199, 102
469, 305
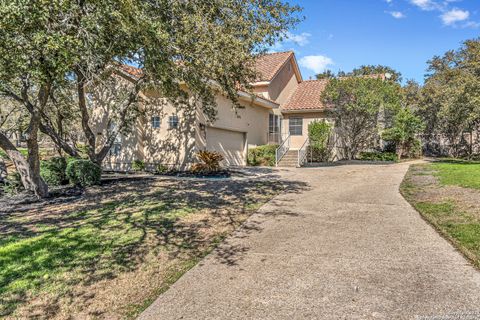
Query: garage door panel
231, 144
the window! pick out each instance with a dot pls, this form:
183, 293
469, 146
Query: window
116, 149
155, 122
295, 126
173, 122
274, 129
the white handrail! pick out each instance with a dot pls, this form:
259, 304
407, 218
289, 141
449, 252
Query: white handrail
302, 152
282, 150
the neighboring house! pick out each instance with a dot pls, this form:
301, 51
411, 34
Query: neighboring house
283, 106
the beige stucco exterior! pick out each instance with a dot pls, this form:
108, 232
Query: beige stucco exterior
297, 141
232, 133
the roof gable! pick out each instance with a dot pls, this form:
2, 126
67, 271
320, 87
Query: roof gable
269, 65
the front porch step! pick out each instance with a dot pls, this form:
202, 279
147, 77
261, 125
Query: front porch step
289, 160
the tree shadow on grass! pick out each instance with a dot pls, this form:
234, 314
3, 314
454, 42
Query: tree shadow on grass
112, 228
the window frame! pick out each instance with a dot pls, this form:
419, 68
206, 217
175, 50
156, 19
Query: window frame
154, 123
116, 149
297, 127
173, 121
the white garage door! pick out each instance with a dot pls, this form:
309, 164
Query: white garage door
231, 144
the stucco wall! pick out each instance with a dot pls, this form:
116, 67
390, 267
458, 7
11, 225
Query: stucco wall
296, 142
284, 84
251, 119
171, 147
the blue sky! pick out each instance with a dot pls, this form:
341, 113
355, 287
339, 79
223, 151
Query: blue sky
403, 34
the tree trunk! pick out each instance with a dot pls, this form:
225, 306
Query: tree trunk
85, 116
39, 186
400, 147
20, 163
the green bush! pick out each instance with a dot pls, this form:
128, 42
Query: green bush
161, 168
53, 171
83, 172
138, 165
12, 184
414, 149
378, 156
319, 135
262, 155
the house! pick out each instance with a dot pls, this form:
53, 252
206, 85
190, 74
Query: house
279, 113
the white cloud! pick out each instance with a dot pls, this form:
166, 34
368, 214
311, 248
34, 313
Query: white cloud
299, 39
453, 16
316, 63
397, 14
426, 5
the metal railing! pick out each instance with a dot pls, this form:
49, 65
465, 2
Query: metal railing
302, 153
282, 150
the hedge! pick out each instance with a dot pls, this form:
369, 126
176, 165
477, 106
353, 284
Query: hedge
83, 172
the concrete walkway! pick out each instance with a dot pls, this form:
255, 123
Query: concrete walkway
347, 246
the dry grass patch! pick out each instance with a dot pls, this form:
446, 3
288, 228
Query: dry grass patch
112, 251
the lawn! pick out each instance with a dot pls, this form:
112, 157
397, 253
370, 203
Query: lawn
110, 252
459, 173
447, 195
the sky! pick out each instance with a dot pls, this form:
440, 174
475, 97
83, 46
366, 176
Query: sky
402, 34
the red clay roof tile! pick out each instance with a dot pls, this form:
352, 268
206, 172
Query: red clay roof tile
307, 96
269, 64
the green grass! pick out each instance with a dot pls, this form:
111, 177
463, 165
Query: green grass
456, 222
458, 173
92, 244
154, 229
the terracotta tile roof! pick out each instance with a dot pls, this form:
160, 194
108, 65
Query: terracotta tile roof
307, 96
268, 65
133, 71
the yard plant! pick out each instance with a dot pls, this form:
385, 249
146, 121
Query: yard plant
319, 134
83, 172
262, 155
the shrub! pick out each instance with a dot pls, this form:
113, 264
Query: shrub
378, 156
161, 169
138, 165
12, 184
414, 149
210, 162
262, 155
53, 171
319, 135
83, 172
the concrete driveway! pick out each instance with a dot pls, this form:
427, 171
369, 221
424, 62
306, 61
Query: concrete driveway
347, 246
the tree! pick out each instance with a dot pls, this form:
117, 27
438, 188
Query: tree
357, 103
367, 70
327, 74
53, 49
403, 133
449, 102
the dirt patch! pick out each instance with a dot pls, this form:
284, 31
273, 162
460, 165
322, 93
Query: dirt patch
428, 189
145, 233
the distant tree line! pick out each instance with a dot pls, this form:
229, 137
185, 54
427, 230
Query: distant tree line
440, 118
